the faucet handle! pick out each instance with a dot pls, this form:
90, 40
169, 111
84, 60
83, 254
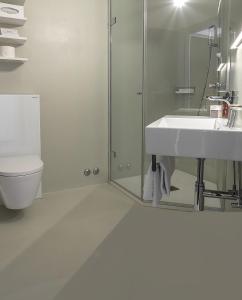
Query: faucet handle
215, 85
231, 95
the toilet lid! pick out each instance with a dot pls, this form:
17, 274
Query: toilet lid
20, 165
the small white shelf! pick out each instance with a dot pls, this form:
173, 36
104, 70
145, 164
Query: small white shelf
12, 41
12, 21
14, 60
16, 2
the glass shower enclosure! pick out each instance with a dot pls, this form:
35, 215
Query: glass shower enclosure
163, 61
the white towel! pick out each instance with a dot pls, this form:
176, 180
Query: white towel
152, 189
167, 167
158, 184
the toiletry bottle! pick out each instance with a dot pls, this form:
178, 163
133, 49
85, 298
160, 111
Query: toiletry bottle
225, 110
216, 111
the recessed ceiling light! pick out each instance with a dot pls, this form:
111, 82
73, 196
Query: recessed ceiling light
179, 3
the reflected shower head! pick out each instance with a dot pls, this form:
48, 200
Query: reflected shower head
212, 36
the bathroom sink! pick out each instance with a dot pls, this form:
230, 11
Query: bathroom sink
197, 137
178, 122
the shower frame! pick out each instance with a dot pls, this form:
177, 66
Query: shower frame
140, 199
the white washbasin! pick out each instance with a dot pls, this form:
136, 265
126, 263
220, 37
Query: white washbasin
187, 122
198, 137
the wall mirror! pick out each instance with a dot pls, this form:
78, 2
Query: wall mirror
235, 47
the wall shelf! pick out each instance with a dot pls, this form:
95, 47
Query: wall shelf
12, 41
13, 60
12, 21
16, 2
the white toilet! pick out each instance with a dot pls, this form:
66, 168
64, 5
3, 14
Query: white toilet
20, 164
20, 179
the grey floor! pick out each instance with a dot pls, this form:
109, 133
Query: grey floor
97, 244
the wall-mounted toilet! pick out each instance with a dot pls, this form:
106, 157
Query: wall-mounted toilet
20, 179
20, 164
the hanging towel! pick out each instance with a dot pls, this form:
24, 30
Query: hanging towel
167, 167
152, 183
158, 184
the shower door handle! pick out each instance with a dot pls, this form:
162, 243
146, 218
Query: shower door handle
113, 21
139, 93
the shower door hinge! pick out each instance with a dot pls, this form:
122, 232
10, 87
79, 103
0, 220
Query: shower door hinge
113, 21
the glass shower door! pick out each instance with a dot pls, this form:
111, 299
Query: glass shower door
126, 72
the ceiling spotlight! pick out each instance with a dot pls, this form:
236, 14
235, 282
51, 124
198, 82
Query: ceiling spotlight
179, 3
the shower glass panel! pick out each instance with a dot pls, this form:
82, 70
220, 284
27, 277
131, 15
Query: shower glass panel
182, 52
126, 93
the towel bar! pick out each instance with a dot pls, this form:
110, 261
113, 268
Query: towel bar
201, 193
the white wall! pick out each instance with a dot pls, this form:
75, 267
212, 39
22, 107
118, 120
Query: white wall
67, 48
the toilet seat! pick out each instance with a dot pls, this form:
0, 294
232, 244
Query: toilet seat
20, 165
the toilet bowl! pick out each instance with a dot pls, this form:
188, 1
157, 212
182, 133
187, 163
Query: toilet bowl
20, 179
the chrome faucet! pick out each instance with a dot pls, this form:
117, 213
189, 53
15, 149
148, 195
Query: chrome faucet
219, 99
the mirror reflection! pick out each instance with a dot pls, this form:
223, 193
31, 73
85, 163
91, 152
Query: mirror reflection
191, 33
235, 53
